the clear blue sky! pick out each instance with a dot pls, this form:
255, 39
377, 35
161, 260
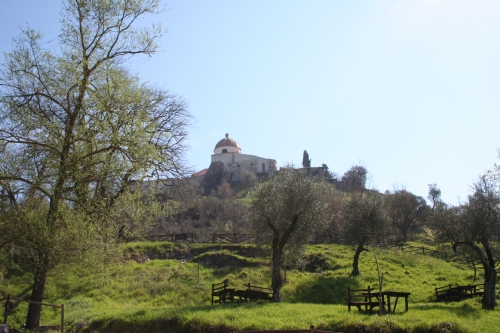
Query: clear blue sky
408, 89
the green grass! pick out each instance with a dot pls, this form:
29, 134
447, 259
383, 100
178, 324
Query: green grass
174, 295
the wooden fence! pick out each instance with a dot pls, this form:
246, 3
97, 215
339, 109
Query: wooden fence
181, 237
216, 238
7, 309
233, 238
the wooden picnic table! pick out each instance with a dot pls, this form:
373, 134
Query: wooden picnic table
396, 295
386, 299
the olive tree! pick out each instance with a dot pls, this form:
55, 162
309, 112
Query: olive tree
285, 212
362, 219
77, 129
434, 195
405, 210
476, 224
355, 178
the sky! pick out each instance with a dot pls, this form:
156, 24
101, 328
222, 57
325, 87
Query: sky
407, 89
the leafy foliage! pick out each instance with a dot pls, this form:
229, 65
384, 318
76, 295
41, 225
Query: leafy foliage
77, 129
475, 224
405, 210
355, 178
285, 212
362, 220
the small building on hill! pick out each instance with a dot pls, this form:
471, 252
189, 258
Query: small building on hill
229, 163
236, 165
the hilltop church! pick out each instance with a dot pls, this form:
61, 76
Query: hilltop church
228, 160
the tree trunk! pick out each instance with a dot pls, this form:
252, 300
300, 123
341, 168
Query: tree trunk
355, 268
404, 231
37, 293
490, 278
277, 280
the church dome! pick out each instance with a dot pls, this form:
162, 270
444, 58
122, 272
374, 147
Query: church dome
227, 145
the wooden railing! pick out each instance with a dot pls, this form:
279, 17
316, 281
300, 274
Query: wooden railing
233, 238
181, 237
7, 309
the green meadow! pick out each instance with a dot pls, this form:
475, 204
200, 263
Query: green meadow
173, 295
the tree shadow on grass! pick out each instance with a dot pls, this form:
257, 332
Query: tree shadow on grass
324, 290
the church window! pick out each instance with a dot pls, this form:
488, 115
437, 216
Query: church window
224, 150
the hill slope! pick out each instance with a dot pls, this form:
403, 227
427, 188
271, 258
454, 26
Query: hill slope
173, 295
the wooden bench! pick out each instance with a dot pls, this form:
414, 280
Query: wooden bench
449, 293
442, 293
220, 292
254, 293
362, 297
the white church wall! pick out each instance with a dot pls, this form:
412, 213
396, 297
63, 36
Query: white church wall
229, 149
237, 165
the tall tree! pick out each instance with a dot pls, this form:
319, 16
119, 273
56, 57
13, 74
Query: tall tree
405, 210
306, 161
76, 128
285, 212
362, 220
355, 178
434, 195
326, 171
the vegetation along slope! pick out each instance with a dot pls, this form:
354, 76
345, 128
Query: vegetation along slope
173, 295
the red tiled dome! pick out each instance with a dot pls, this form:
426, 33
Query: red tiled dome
227, 142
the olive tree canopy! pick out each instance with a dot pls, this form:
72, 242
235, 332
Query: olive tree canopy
355, 178
285, 213
362, 219
476, 224
405, 210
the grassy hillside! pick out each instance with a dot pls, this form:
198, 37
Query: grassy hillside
172, 293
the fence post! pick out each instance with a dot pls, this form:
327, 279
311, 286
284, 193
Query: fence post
6, 313
311, 329
62, 319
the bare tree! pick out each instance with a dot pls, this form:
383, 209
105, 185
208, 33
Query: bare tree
405, 210
285, 212
362, 219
